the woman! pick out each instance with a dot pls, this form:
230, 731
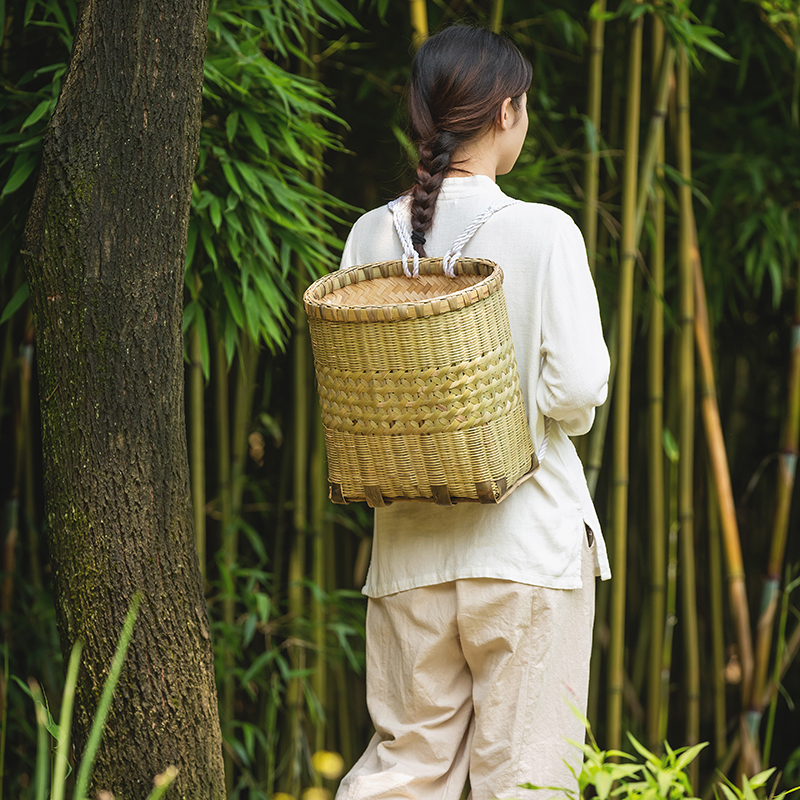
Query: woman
479, 618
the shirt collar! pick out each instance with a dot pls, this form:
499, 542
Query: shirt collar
469, 186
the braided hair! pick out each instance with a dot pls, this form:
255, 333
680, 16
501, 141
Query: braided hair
459, 79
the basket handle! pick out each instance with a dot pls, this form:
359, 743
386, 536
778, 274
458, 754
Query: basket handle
454, 253
405, 239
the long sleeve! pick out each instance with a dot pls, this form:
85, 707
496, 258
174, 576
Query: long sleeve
574, 358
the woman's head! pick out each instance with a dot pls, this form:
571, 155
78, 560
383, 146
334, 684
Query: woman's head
460, 79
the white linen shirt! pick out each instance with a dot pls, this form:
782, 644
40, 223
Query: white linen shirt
535, 535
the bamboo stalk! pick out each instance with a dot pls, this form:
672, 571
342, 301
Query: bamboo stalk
655, 139
27, 487
722, 479
246, 373
687, 411
655, 385
297, 555
197, 448
227, 548
320, 559
783, 503
419, 22
622, 391
670, 617
597, 436
791, 585
770, 691
497, 16
717, 592
591, 175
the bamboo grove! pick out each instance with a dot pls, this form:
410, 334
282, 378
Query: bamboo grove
670, 131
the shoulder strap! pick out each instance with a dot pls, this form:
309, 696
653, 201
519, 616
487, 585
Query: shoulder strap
454, 253
405, 238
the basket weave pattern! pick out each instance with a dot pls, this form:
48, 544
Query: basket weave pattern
420, 393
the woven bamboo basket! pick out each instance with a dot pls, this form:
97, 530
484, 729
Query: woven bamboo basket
418, 384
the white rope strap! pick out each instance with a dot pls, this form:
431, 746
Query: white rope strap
545, 439
404, 233
454, 253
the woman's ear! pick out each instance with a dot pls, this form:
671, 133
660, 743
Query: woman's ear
506, 116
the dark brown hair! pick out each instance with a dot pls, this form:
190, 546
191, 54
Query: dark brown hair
459, 79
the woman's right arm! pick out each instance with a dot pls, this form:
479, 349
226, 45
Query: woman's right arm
575, 361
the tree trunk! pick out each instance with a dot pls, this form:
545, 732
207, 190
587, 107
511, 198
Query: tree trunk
105, 249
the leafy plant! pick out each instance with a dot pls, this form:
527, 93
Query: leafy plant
61, 731
257, 212
651, 778
616, 774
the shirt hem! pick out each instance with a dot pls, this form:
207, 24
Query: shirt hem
546, 582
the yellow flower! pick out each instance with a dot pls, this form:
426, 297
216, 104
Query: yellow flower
327, 764
316, 793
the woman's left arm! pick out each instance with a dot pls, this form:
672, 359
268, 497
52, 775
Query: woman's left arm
575, 362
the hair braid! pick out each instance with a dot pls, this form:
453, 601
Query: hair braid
434, 163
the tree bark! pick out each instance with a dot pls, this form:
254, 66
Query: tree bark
105, 248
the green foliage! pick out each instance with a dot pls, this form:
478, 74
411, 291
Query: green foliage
646, 776
617, 774
61, 731
257, 212
260, 642
27, 100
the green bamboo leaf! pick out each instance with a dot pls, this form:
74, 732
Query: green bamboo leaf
42, 745
65, 718
603, 782
191, 242
19, 297
231, 337
231, 124
232, 240
256, 314
189, 314
208, 245
337, 13
251, 178
689, 755
701, 37
38, 113
255, 131
230, 177
215, 212
205, 356
234, 301
747, 789
757, 781
670, 446
20, 172
664, 780
643, 751
728, 792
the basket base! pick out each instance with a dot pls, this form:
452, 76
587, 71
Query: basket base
440, 494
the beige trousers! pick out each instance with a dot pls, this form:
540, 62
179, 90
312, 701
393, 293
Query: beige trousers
474, 677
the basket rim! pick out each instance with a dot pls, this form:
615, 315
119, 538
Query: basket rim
316, 307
